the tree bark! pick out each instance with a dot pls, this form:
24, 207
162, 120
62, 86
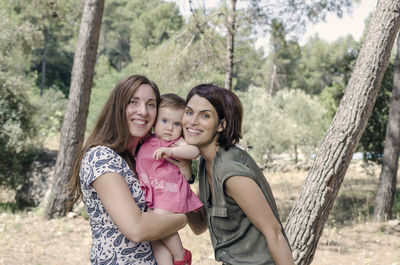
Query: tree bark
230, 44
44, 59
273, 80
387, 181
308, 216
73, 129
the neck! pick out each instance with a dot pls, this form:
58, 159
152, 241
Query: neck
133, 143
209, 151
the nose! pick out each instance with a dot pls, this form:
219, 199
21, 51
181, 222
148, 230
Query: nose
142, 109
194, 119
169, 126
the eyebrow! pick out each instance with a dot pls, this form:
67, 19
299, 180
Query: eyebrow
150, 99
206, 110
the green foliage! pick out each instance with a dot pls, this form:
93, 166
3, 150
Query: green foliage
58, 65
396, 205
323, 64
156, 25
17, 127
8, 207
288, 122
281, 65
56, 22
372, 142
296, 14
353, 205
330, 97
17, 133
140, 25
50, 109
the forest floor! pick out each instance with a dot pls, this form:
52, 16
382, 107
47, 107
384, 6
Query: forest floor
349, 236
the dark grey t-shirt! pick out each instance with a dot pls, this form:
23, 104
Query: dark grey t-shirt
234, 238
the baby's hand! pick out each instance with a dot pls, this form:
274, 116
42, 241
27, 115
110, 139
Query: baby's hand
162, 152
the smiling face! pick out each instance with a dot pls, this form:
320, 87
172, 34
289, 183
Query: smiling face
200, 122
168, 125
141, 111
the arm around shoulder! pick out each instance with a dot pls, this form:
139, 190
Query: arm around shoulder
183, 150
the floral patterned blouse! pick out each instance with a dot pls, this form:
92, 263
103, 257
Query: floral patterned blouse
109, 245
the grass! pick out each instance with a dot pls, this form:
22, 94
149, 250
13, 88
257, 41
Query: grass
348, 238
353, 205
355, 200
9, 207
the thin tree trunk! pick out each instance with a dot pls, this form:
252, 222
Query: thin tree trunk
44, 59
273, 80
387, 182
230, 45
73, 129
308, 216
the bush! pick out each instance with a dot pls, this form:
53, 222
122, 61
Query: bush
289, 122
50, 109
18, 132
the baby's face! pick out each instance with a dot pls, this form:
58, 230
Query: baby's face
168, 125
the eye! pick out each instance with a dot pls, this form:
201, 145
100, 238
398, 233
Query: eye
188, 112
205, 116
164, 121
152, 104
134, 101
177, 124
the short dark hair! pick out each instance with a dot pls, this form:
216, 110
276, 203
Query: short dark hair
228, 107
172, 100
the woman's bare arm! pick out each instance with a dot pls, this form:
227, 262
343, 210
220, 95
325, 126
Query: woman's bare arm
251, 200
181, 150
197, 221
114, 193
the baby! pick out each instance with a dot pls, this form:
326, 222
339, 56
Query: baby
166, 189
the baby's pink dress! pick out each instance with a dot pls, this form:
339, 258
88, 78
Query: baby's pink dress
164, 185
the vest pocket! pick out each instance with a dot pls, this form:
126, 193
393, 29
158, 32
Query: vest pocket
221, 222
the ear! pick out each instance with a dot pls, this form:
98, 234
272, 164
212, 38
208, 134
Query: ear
222, 125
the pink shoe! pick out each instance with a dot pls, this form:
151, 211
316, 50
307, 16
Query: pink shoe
187, 259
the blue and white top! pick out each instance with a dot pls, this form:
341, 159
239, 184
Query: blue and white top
109, 245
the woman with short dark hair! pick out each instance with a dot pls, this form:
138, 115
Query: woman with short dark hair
239, 207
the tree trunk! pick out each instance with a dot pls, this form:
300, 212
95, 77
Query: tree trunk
387, 182
73, 129
273, 80
45, 36
230, 45
308, 216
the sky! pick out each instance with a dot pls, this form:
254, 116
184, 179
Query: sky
335, 27
330, 30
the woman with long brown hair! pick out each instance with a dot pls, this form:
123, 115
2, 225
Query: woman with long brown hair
104, 178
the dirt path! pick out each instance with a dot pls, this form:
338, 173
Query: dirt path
30, 239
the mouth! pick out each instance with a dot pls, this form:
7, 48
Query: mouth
139, 122
193, 131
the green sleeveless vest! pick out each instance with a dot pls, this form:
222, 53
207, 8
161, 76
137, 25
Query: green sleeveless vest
234, 238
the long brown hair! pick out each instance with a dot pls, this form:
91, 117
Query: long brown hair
111, 129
